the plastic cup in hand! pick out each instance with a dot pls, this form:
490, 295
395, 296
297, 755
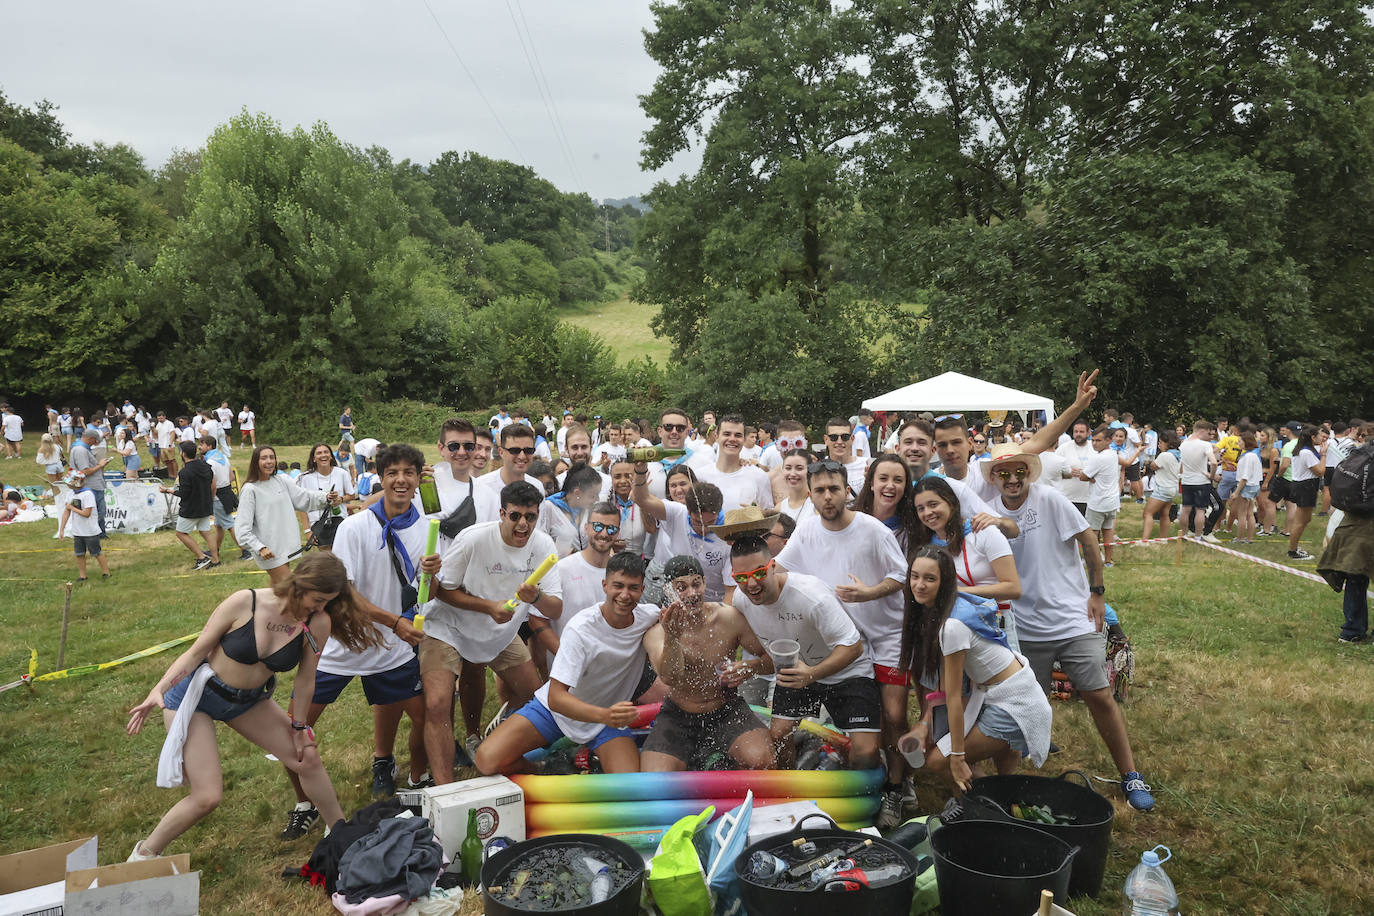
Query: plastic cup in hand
723, 671
785, 653
912, 750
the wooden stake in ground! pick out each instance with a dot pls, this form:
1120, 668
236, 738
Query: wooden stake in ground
66, 618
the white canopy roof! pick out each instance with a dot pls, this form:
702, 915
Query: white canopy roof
954, 391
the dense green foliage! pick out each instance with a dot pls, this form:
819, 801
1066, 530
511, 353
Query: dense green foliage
290, 270
1178, 193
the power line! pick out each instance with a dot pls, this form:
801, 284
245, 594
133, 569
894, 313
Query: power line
541, 84
473, 79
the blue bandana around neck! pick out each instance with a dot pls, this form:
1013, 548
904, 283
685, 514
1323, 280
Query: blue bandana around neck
980, 616
626, 506
941, 542
561, 501
720, 520
390, 527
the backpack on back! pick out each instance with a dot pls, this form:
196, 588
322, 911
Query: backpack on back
1352, 483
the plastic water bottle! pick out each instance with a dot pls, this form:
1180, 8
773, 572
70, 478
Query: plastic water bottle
830, 759
1148, 890
601, 882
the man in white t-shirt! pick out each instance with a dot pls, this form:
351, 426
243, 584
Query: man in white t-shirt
859, 558
590, 694
1059, 615
13, 425
863, 447
839, 444
517, 451
685, 529
1103, 473
739, 484
248, 428
484, 600
561, 437
379, 547
165, 434
1197, 463
1075, 456
225, 417
581, 575
673, 426
500, 420
833, 667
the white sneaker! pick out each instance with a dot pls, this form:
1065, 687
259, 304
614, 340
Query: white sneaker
137, 856
1210, 539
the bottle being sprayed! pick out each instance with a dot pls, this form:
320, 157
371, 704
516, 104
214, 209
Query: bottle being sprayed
601, 878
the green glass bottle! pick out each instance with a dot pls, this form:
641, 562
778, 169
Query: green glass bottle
655, 453
470, 853
429, 495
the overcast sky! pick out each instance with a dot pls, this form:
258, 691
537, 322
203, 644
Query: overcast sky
161, 76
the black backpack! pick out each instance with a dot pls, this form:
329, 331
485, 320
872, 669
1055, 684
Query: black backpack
1352, 483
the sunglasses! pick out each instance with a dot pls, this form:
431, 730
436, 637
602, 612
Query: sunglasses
518, 517
786, 445
825, 464
774, 534
673, 427
599, 527
758, 575
949, 416
1019, 474
461, 446
522, 450
839, 437
979, 441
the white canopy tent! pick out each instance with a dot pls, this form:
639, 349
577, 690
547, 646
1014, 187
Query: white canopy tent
954, 391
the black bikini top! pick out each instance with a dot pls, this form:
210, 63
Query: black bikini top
242, 645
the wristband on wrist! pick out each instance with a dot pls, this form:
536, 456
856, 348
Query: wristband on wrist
396, 623
956, 754
299, 726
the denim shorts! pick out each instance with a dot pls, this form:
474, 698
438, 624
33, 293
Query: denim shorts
133, 463
996, 722
1249, 491
1227, 485
55, 468
222, 519
213, 699
543, 721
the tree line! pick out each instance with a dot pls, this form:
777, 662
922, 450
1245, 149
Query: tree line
295, 272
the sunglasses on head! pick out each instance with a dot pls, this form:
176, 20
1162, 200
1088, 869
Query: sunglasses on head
825, 465
463, 446
520, 450
518, 517
599, 527
1019, 474
949, 416
758, 575
673, 427
839, 437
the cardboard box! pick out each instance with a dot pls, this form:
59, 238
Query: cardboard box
165, 886
500, 806
32, 883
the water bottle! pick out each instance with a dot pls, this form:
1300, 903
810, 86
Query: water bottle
830, 759
601, 881
1148, 890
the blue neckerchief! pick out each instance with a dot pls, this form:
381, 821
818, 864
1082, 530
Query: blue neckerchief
626, 507
892, 523
980, 616
1175, 452
941, 542
559, 500
392, 525
720, 520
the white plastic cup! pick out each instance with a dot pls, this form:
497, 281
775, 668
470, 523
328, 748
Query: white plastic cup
785, 653
913, 751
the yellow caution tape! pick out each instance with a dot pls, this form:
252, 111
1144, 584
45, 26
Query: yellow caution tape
91, 669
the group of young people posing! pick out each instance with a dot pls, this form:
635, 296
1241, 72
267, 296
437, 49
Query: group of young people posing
674, 580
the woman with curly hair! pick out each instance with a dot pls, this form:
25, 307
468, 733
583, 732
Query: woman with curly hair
228, 675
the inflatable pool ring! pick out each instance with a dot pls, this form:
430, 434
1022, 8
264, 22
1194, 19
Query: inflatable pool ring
628, 787
596, 817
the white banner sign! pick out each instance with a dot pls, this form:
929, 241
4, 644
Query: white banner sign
137, 507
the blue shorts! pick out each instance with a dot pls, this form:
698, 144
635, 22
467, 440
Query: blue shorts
1249, 491
996, 722
133, 462
218, 700
68, 430
1227, 485
346, 437
543, 721
381, 689
55, 468
222, 519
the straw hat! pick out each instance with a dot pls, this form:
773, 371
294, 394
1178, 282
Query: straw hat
746, 520
1006, 453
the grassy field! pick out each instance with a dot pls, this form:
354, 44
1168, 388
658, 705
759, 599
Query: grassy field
1247, 718
623, 325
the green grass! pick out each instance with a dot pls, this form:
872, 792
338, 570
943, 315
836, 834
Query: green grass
1247, 718
623, 325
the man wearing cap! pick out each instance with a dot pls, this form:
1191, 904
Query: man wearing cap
833, 666
740, 485
692, 647
1060, 615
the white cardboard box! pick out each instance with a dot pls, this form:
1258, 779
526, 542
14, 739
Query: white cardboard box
165, 886
32, 882
500, 806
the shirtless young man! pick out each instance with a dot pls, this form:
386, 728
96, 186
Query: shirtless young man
693, 650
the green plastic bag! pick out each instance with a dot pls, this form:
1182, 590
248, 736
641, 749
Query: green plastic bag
676, 879
926, 894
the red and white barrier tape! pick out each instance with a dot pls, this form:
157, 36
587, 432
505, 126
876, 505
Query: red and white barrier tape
1270, 563
1145, 541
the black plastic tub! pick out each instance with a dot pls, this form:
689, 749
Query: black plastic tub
986, 867
1091, 830
500, 866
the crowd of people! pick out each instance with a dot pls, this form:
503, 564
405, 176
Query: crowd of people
717, 567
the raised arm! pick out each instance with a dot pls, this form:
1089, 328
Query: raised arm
1048, 437
651, 504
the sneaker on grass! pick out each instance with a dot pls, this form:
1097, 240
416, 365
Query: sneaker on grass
1299, 554
383, 776
890, 812
1137, 793
300, 821
203, 563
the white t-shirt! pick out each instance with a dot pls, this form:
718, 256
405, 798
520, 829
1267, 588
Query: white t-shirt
752, 453
696, 457
985, 659
1249, 468
246, 418
976, 495
451, 496
495, 483
617, 453
165, 430
599, 664
367, 448
226, 417
129, 409
1166, 474
359, 545
186, 433
567, 533
770, 458
1195, 458
78, 526
676, 538
336, 481
211, 427
562, 438
861, 444
856, 470
864, 548
744, 486
499, 422
1104, 495
1054, 588
219, 463
973, 563
1303, 463
807, 611
582, 589
807, 510
1075, 457
482, 564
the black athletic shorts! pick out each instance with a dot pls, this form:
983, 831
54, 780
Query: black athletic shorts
1278, 489
694, 738
854, 703
1303, 493
1132, 472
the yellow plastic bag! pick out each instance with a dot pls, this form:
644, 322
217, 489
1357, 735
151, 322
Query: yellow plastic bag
676, 879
